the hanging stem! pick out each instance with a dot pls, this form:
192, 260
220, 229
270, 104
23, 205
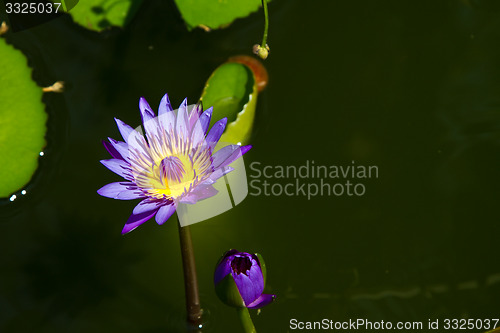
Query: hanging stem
266, 24
263, 50
193, 307
246, 320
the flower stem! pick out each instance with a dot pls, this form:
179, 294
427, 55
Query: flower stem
266, 24
246, 320
193, 306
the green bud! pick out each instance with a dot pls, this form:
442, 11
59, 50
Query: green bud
262, 52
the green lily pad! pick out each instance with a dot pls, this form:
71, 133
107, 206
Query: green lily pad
22, 121
101, 14
215, 14
232, 91
66, 4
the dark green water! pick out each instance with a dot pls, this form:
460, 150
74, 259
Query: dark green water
412, 87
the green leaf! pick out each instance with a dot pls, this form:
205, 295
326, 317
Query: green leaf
22, 121
232, 91
228, 292
215, 14
101, 14
262, 266
66, 4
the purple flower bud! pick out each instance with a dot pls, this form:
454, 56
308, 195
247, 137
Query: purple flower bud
240, 278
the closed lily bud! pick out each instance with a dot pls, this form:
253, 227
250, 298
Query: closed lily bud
262, 52
239, 280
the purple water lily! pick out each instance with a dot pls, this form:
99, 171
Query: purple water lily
239, 280
173, 163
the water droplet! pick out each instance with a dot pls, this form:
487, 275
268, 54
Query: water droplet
42, 153
13, 197
23, 192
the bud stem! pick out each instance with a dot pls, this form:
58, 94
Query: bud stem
246, 320
266, 24
193, 307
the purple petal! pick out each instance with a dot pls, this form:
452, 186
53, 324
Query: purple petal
262, 301
199, 193
131, 136
181, 126
165, 106
231, 157
148, 118
121, 148
125, 130
218, 174
109, 147
223, 267
224, 153
146, 205
164, 213
147, 112
197, 135
120, 167
230, 253
129, 195
250, 284
245, 149
121, 191
205, 119
136, 220
215, 132
167, 121
194, 115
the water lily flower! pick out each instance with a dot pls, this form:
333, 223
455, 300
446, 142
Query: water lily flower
173, 163
240, 279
